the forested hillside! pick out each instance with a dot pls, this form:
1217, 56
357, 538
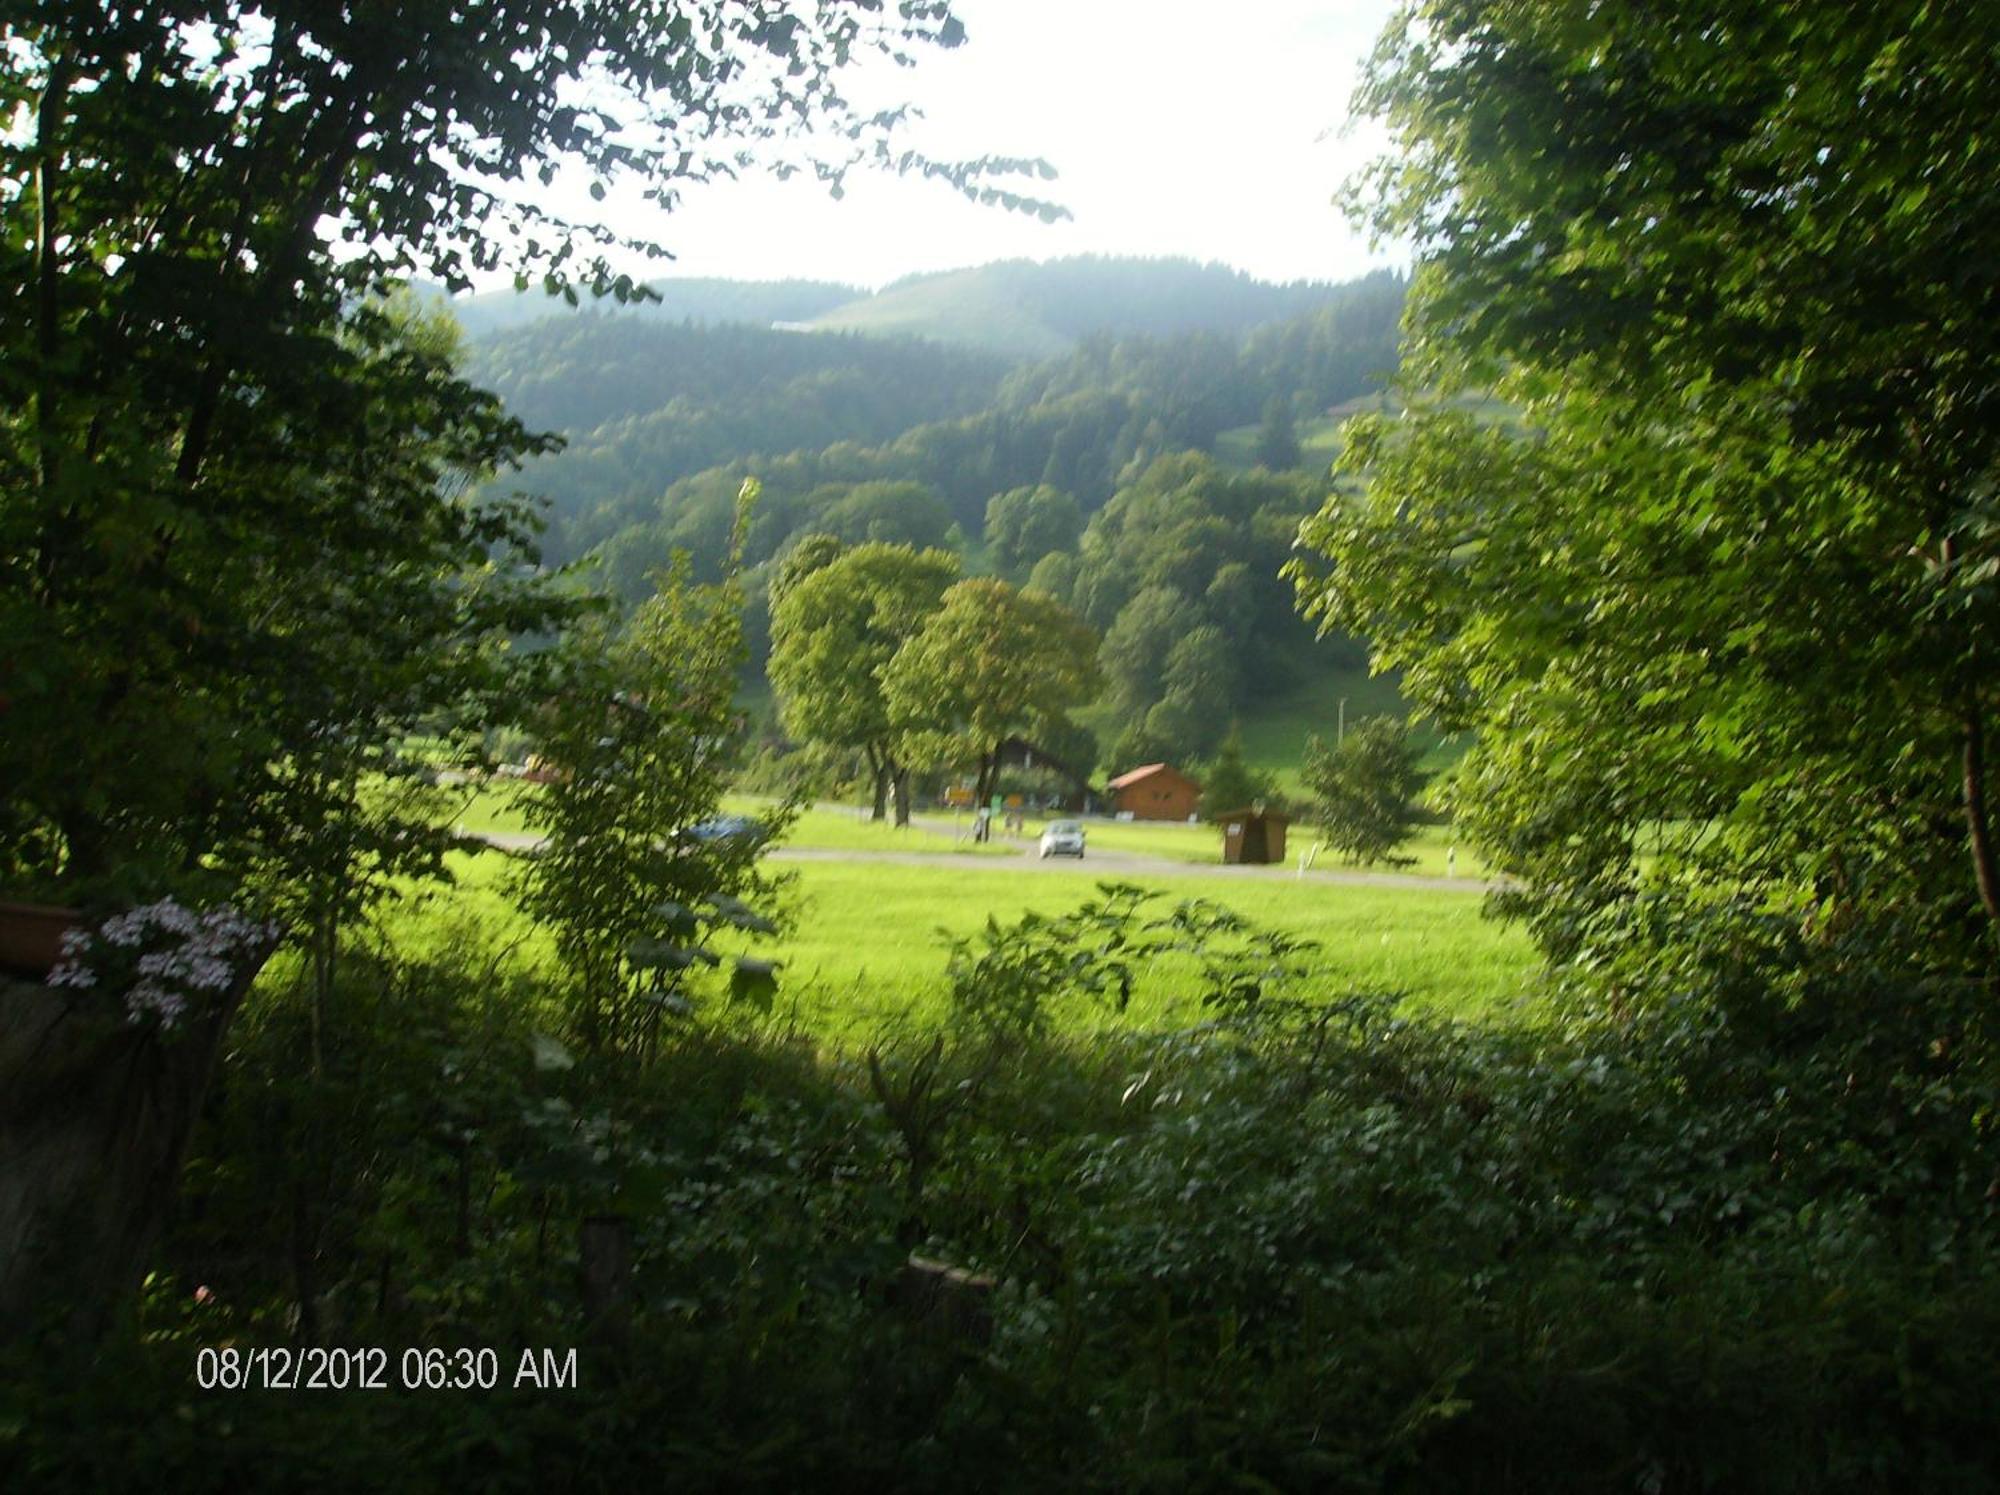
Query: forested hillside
1085, 475
642, 403
643, 406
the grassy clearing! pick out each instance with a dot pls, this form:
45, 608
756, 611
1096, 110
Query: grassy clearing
841, 828
866, 943
1275, 733
865, 946
495, 808
869, 950
1319, 444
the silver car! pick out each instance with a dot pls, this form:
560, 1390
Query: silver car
1062, 838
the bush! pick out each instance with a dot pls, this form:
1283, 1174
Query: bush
1745, 1242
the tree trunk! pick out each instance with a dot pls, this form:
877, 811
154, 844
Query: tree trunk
95, 1114
48, 271
880, 771
902, 798
1979, 829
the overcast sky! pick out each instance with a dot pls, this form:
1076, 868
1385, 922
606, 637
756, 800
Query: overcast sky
1178, 127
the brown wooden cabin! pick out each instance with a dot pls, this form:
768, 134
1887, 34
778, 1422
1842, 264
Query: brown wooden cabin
1154, 791
1253, 837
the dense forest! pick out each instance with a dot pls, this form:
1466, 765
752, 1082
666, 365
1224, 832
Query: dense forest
642, 406
931, 443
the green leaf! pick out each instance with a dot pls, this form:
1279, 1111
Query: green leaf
754, 982
740, 915
679, 921
660, 955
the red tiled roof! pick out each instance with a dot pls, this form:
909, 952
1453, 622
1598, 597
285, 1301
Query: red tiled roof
1143, 771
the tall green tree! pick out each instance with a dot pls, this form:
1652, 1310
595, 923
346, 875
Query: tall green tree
1364, 789
1229, 783
207, 691
992, 663
1025, 524
363, 660
1278, 438
642, 736
1724, 618
195, 199
1134, 654
834, 632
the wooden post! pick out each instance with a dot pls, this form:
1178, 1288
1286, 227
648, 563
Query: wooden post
605, 1245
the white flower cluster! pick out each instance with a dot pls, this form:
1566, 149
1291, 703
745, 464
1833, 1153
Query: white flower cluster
177, 955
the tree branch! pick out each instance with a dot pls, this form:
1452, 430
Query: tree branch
48, 271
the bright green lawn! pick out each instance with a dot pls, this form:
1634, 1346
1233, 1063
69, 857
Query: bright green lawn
864, 948
495, 807
868, 948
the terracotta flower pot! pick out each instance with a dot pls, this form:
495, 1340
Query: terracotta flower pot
31, 937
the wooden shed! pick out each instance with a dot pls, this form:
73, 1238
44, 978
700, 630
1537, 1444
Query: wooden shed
1154, 791
1255, 836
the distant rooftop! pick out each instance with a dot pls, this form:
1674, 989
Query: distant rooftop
1143, 771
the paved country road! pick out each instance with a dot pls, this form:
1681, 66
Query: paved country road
1103, 866
1106, 865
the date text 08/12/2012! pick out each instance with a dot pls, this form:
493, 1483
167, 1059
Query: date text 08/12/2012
368, 1368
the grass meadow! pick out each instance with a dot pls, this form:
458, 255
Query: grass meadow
869, 941
1319, 444
866, 942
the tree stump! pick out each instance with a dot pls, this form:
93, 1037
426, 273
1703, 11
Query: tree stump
95, 1115
948, 1306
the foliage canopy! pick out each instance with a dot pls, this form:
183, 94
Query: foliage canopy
834, 633
212, 449
990, 664
1725, 621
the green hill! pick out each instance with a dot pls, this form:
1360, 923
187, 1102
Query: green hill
709, 301
964, 306
1030, 310
1319, 438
